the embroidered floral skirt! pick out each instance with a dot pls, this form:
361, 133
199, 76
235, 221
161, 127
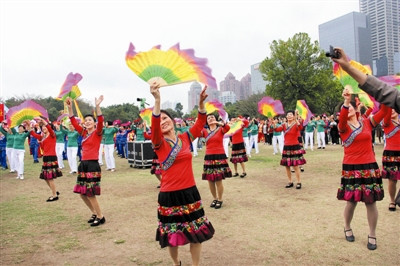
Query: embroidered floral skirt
292, 155
391, 165
155, 166
216, 167
238, 153
181, 218
88, 180
50, 168
361, 182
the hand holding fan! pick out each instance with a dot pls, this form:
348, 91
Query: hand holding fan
269, 107
169, 67
27, 110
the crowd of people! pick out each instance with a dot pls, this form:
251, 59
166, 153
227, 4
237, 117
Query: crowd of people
181, 216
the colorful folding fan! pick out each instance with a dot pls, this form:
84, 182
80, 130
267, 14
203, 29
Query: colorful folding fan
70, 87
346, 80
169, 67
269, 107
25, 111
235, 127
146, 114
215, 105
304, 111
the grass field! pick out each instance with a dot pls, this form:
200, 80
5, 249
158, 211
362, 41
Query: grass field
260, 223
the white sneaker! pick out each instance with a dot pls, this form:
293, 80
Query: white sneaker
112, 170
21, 177
17, 177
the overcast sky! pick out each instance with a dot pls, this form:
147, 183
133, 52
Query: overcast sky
42, 41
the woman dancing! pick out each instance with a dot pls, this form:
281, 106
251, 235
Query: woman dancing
361, 179
391, 154
292, 155
181, 218
239, 154
89, 171
216, 167
50, 169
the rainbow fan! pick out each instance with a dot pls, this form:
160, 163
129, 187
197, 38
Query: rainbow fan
235, 127
25, 111
304, 111
63, 119
346, 80
270, 107
393, 81
216, 106
70, 87
169, 67
146, 114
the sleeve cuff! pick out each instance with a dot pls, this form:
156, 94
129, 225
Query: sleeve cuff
156, 115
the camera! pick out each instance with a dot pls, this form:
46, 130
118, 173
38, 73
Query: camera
332, 53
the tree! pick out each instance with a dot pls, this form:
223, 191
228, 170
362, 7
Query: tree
178, 109
298, 70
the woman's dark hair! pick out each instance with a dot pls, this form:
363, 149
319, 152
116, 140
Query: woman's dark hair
212, 114
109, 123
290, 111
22, 126
168, 114
89, 115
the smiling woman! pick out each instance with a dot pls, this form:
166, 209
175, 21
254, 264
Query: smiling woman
181, 217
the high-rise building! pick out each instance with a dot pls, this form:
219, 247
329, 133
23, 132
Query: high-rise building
245, 87
194, 95
350, 32
227, 97
258, 84
385, 33
242, 89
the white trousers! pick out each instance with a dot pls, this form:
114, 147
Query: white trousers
254, 140
72, 154
11, 158
101, 153
59, 151
194, 145
309, 138
19, 154
321, 139
278, 140
109, 155
226, 146
247, 145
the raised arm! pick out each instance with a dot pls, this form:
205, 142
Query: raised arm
378, 117
198, 126
344, 112
156, 135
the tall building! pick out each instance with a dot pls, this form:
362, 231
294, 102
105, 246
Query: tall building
258, 84
227, 97
385, 33
194, 95
242, 89
352, 33
245, 87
